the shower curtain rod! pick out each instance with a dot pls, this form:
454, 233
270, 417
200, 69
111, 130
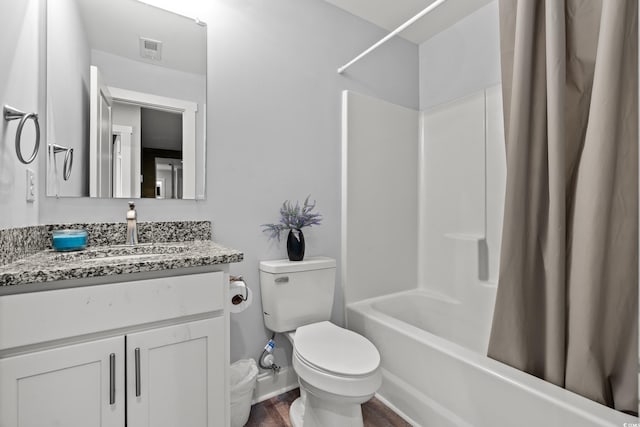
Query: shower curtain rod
425, 11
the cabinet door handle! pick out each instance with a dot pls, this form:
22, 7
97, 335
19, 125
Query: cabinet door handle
137, 357
112, 378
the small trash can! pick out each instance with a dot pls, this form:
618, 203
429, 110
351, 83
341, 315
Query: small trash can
242, 378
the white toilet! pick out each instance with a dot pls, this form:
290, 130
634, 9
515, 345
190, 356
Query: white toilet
338, 369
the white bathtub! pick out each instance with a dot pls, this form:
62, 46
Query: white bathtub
435, 372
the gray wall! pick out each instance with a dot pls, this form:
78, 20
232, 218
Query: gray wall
463, 59
139, 76
68, 96
275, 103
273, 123
21, 86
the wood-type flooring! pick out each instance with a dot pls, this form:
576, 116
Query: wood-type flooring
274, 412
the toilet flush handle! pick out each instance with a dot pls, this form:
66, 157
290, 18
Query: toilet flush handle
282, 279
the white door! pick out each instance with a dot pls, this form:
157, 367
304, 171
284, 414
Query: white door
122, 162
100, 136
117, 158
176, 376
68, 386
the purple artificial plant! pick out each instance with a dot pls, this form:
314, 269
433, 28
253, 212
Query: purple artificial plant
293, 217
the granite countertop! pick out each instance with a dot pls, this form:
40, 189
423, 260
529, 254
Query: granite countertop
98, 261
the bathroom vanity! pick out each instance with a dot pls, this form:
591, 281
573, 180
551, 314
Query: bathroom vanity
96, 347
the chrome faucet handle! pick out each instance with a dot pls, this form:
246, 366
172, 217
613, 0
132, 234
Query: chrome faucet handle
131, 213
132, 225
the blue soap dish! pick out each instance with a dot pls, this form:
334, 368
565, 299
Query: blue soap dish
69, 240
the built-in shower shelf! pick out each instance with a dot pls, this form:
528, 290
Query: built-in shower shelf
481, 251
464, 236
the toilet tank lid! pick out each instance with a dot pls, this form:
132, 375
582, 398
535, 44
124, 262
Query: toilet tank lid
286, 266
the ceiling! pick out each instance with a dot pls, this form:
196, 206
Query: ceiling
115, 26
161, 129
390, 14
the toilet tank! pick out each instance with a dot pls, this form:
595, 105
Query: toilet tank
296, 293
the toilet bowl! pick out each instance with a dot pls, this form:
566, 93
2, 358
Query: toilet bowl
337, 369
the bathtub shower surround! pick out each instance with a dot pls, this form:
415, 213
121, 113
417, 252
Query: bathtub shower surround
567, 302
435, 371
375, 193
433, 340
563, 263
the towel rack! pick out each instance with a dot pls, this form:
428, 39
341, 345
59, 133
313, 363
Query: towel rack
11, 113
68, 159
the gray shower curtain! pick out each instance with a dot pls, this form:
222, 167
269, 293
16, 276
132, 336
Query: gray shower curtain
567, 301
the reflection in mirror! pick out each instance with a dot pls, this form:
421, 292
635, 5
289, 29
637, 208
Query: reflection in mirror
126, 89
162, 152
168, 174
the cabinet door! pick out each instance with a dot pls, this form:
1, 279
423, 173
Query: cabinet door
176, 376
67, 386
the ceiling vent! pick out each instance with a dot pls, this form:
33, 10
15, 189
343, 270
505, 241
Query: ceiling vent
150, 49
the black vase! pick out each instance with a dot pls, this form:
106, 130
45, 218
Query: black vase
295, 245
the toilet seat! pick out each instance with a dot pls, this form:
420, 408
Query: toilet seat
336, 350
336, 360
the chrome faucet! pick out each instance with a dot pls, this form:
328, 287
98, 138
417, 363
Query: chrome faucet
132, 225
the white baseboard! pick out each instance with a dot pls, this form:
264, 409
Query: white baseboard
395, 409
271, 384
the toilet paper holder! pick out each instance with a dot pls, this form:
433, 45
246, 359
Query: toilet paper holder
238, 299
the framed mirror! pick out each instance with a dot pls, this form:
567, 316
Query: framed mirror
126, 101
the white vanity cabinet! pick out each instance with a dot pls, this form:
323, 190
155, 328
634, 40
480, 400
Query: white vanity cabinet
170, 385
64, 386
149, 352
